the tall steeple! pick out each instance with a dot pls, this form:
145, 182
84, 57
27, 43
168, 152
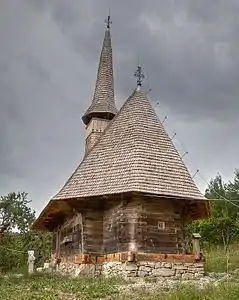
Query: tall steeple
102, 108
103, 104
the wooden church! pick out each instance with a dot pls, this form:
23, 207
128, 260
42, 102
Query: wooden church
131, 192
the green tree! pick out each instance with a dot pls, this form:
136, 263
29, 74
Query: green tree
220, 191
222, 228
15, 211
41, 243
18, 238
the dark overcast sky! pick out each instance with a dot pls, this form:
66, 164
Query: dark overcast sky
49, 53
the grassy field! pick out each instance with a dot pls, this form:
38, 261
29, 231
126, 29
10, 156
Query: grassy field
49, 287
222, 292
40, 287
218, 261
46, 287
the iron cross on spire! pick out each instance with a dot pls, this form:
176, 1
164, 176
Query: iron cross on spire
140, 76
108, 21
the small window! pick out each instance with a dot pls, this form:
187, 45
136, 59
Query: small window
161, 225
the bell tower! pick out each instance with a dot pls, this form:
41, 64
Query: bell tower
102, 108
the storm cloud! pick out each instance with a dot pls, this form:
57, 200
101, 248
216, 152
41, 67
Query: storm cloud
48, 63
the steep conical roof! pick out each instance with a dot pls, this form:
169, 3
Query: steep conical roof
133, 154
103, 103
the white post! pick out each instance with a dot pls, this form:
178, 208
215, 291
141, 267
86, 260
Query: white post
31, 259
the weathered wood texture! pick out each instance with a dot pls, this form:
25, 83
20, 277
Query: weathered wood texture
68, 238
160, 227
81, 233
132, 223
120, 226
92, 231
93, 132
115, 229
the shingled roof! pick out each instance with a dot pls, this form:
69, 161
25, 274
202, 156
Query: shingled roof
103, 100
134, 154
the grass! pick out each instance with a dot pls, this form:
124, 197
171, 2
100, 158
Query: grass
223, 292
49, 287
46, 287
219, 261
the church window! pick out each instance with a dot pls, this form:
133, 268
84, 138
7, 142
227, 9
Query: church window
161, 225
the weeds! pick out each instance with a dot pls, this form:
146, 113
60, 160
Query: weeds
47, 287
217, 260
42, 286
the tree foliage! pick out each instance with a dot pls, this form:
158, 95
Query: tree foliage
220, 191
222, 228
15, 211
14, 247
18, 238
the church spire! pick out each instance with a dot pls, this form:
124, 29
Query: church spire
103, 104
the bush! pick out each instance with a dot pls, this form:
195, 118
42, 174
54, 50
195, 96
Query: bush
14, 247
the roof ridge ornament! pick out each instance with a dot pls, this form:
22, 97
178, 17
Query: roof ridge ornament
108, 22
140, 76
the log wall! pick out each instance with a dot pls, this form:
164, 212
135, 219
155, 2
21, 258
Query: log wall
115, 229
92, 232
120, 226
68, 237
140, 224
160, 227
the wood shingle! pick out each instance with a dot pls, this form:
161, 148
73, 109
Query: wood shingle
103, 99
134, 154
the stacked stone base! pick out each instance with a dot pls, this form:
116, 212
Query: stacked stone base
173, 270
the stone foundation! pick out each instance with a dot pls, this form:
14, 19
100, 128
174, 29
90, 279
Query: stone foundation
173, 270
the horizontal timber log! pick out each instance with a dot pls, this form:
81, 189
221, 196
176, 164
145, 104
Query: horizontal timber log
123, 257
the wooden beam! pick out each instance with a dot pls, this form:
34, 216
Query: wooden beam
123, 257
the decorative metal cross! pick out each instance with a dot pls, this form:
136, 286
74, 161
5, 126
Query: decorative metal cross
108, 22
139, 75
